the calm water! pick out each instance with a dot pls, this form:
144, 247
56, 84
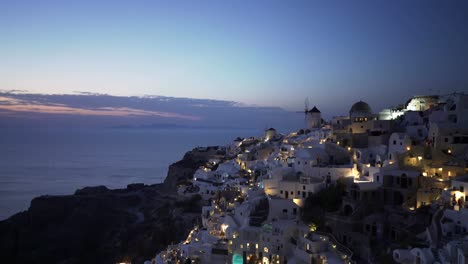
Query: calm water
39, 161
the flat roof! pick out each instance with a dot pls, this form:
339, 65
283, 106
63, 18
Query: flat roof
463, 178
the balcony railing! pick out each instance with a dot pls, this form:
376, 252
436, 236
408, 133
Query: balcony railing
338, 246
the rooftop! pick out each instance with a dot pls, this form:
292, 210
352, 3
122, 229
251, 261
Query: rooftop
360, 107
463, 178
314, 110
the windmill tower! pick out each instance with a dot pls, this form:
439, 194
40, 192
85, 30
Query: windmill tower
313, 118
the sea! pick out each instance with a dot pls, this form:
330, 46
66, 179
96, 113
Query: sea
43, 161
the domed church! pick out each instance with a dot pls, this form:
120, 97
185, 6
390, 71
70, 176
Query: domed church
360, 112
360, 116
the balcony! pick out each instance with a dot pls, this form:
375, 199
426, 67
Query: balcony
345, 252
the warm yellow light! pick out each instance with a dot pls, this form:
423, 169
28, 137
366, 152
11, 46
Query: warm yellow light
338, 143
449, 173
424, 174
440, 169
349, 148
408, 148
298, 202
224, 227
256, 246
458, 195
312, 227
419, 158
265, 249
449, 151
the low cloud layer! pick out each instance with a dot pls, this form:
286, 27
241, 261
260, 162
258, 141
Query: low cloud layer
86, 109
18, 105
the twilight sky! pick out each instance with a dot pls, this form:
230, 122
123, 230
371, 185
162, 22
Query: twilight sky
267, 53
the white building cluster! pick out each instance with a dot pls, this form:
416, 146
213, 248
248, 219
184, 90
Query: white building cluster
405, 176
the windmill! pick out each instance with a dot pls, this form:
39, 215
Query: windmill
306, 104
306, 109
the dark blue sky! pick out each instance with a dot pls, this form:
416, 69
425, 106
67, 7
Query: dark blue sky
257, 52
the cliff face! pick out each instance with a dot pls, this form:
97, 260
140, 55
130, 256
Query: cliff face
185, 168
97, 225
181, 170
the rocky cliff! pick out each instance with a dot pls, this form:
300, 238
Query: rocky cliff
185, 168
98, 225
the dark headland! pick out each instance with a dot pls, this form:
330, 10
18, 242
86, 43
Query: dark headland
99, 225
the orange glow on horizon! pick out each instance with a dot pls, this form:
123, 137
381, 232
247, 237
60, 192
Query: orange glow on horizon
17, 105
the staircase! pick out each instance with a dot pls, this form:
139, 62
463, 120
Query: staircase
434, 229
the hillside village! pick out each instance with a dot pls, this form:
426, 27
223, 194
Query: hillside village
387, 187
